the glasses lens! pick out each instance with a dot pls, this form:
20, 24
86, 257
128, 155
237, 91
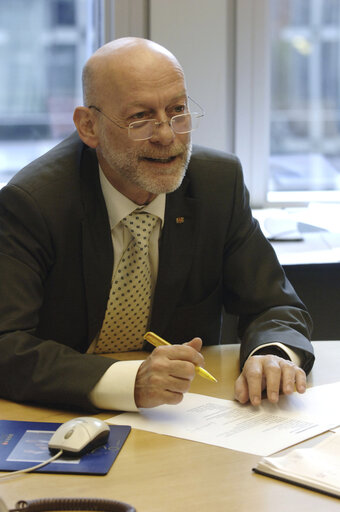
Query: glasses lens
141, 130
185, 123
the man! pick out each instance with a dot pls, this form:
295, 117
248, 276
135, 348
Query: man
63, 236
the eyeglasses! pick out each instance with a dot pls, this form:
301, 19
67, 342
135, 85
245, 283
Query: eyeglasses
144, 129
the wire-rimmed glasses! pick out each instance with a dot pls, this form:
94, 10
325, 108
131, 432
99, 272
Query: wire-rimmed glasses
144, 129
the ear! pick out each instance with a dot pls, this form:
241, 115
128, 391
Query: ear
85, 122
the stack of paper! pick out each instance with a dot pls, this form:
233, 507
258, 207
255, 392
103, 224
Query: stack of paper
316, 468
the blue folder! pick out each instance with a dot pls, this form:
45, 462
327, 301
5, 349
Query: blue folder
24, 444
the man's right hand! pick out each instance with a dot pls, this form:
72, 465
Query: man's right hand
167, 373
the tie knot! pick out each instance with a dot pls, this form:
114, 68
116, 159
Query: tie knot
140, 225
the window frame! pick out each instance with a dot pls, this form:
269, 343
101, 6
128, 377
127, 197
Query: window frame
252, 103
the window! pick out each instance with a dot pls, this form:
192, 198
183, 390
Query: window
289, 64
43, 46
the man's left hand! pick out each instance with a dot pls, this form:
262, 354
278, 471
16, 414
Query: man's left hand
269, 372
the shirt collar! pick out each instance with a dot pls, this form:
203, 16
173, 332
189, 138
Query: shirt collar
119, 206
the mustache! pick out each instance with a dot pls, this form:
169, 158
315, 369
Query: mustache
163, 155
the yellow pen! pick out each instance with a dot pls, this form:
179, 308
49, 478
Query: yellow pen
157, 341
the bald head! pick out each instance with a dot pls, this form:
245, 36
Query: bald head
123, 62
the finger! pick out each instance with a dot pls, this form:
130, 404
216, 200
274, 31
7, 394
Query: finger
273, 373
289, 371
195, 343
253, 373
183, 370
166, 361
158, 387
180, 353
300, 380
177, 384
241, 389
148, 398
172, 398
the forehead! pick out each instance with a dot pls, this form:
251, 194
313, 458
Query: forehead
153, 84
151, 96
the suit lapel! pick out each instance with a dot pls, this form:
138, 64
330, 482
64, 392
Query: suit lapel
97, 244
177, 248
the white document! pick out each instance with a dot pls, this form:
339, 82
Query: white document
261, 430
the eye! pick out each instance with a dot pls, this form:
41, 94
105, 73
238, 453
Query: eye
138, 115
178, 109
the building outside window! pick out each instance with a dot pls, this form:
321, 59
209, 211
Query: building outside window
287, 109
43, 46
305, 95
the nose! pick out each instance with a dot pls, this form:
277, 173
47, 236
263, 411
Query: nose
163, 133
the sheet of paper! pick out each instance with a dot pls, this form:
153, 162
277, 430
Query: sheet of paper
261, 430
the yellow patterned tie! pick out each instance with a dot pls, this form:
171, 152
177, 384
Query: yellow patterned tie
128, 307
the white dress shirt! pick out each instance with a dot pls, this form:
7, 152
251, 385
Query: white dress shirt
115, 389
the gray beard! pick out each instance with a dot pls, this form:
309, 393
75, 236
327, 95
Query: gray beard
126, 164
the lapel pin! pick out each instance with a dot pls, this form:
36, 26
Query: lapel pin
179, 220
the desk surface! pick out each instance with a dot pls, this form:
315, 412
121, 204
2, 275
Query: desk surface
158, 473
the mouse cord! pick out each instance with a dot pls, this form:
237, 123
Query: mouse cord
32, 468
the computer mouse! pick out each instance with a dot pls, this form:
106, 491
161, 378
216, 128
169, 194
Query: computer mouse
79, 436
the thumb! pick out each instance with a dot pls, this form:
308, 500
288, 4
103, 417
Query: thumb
195, 343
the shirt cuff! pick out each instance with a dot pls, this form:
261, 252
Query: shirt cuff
294, 355
116, 388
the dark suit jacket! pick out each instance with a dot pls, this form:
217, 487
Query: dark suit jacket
56, 262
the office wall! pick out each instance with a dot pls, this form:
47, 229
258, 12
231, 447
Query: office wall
126, 18
200, 34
